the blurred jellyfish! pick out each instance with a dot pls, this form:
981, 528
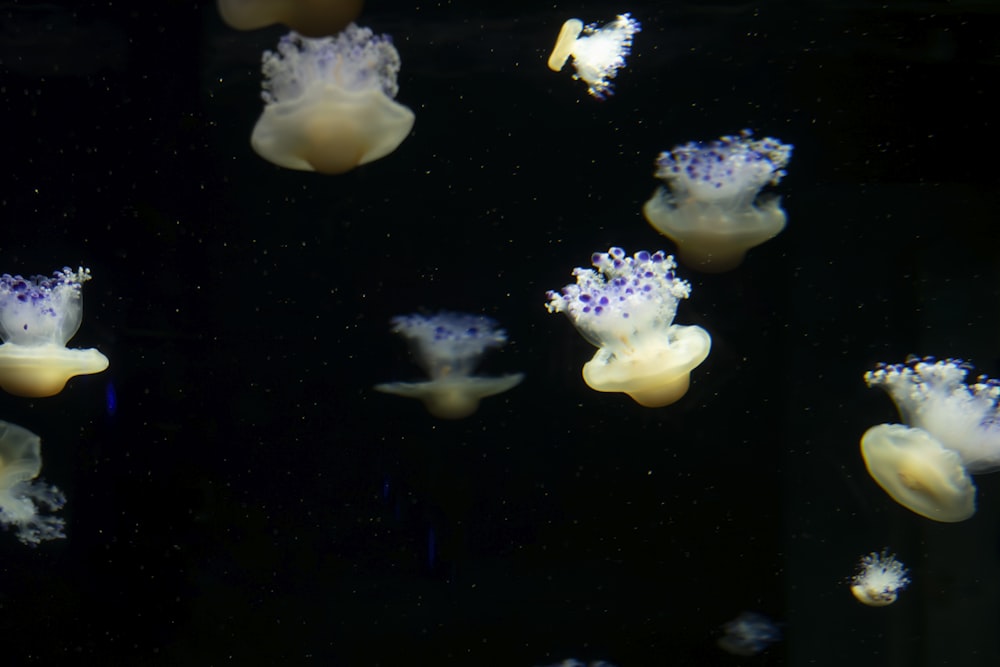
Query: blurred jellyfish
879, 579
598, 54
709, 209
449, 347
38, 316
313, 18
573, 662
328, 103
22, 497
934, 396
626, 308
748, 634
918, 472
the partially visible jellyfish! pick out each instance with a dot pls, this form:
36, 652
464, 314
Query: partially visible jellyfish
934, 396
598, 54
918, 472
748, 634
449, 347
313, 18
38, 316
626, 308
879, 579
709, 209
328, 103
22, 497
573, 662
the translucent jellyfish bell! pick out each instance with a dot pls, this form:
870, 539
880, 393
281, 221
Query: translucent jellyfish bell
313, 18
918, 472
449, 346
598, 54
626, 308
38, 316
22, 497
878, 579
934, 396
329, 103
709, 209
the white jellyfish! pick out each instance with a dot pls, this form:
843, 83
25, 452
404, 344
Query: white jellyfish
626, 308
708, 207
879, 579
748, 634
22, 497
449, 347
38, 316
598, 53
329, 103
314, 18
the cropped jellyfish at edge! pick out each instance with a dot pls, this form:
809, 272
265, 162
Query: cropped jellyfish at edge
22, 497
448, 347
878, 579
598, 53
38, 316
328, 103
313, 18
626, 308
708, 206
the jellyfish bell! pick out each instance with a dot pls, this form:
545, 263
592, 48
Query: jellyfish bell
329, 103
452, 397
918, 472
38, 316
564, 44
312, 18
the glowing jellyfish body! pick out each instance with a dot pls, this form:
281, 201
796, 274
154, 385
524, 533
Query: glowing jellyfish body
879, 579
748, 634
709, 209
329, 103
314, 18
449, 347
934, 396
598, 53
38, 316
22, 497
626, 308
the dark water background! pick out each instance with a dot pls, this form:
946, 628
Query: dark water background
253, 501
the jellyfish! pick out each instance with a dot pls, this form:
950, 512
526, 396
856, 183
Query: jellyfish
22, 497
328, 103
918, 472
709, 209
313, 18
38, 316
748, 634
626, 309
598, 54
879, 579
449, 346
934, 396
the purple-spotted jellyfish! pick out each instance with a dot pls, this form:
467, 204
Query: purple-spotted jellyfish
626, 309
449, 346
328, 103
708, 206
879, 578
23, 498
38, 316
598, 52
313, 18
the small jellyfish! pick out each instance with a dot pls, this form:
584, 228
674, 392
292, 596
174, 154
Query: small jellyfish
748, 634
328, 103
38, 316
598, 54
626, 308
879, 579
22, 497
313, 18
449, 347
709, 209
918, 472
934, 396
